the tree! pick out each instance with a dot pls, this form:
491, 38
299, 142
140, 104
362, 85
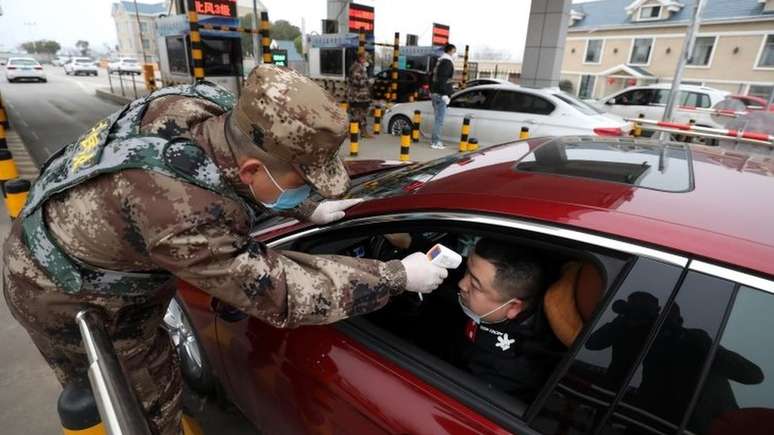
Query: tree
299, 43
43, 46
282, 30
83, 46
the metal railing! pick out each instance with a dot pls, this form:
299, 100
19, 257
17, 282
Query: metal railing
118, 406
121, 75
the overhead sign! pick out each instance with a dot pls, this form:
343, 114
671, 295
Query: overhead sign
333, 41
361, 17
440, 34
218, 8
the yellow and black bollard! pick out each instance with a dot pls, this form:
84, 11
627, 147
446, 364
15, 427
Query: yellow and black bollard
8, 169
78, 411
415, 126
394, 69
405, 144
354, 138
150, 77
377, 119
472, 144
465, 68
464, 134
344, 105
3, 115
16, 192
196, 42
637, 130
3, 142
524, 133
265, 40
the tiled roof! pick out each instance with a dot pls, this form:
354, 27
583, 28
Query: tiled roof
603, 13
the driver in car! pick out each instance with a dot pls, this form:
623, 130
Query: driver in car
504, 338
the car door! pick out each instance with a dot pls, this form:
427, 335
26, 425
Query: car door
475, 103
512, 110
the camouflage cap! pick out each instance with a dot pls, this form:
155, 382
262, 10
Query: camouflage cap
294, 120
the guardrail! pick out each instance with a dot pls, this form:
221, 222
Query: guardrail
121, 75
118, 406
705, 132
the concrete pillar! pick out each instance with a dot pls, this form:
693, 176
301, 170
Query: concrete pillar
544, 51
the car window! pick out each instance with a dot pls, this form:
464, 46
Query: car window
480, 99
521, 102
636, 97
577, 104
738, 391
694, 99
584, 393
383, 75
23, 62
660, 390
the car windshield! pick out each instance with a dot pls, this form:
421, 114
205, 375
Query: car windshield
130, 60
581, 106
23, 62
83, 60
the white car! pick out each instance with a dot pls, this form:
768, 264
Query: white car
498, 112
60, 60
125, 65
19, 68
650, 101
81, 66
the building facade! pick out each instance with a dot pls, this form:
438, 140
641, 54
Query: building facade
133, 40
613, 44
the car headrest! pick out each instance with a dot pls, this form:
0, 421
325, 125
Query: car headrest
571, 300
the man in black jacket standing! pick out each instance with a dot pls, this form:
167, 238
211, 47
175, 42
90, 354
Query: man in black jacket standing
441, 89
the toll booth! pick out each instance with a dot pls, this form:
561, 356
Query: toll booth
331, 56
419, 58
221, 51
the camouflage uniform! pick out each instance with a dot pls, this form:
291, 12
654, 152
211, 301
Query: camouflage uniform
130, 231
358, 95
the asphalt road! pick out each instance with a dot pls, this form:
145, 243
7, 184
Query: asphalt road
48, 116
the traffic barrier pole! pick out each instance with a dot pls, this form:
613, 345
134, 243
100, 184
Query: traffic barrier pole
377, 119
405, 145
464, 134
150, 77
8, 169
472, 144
524, 133
465, 67
3, 141
699, 131
354, 138
78, 411
265, 40
394, 68
415, 129
196, 43
3, 115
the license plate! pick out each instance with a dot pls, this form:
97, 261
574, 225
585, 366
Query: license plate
26, 68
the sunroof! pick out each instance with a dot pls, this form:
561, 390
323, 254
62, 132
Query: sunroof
651, 165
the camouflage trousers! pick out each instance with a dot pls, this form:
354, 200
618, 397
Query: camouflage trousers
133, 323
358, 112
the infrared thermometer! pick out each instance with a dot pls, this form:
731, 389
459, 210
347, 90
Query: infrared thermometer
444, 257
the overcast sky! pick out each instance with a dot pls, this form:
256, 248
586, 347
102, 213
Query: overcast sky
496, 24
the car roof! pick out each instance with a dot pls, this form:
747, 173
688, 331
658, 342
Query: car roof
22, 58
682, 88
726, 216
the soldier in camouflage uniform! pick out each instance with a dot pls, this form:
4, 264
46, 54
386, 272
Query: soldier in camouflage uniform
359, 93
167, 188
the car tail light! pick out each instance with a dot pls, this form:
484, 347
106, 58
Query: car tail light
38, 67
10, 67
608, 131
425, 86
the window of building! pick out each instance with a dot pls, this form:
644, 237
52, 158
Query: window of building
650, 13
702, 51
331, 61
145, 44
593, 51
143, 27
586, 88
641, 48
766, 59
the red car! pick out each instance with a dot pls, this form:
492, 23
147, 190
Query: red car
753, 103
661, 259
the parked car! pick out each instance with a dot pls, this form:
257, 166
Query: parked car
60, 60
480, 82
498, 112
651, 100
667, 295
81, 66
409, 81
125, 65
24, 68
753, 103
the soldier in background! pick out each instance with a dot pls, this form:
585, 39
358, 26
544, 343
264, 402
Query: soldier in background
169, 187
359, 93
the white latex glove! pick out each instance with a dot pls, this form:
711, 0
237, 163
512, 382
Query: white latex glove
330, 211
446, 99
422, 276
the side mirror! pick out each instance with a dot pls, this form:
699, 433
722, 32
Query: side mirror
610, 102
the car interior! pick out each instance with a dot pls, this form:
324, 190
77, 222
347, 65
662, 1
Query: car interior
575, 283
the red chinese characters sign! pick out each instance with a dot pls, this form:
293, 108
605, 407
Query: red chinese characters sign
361, 17
440, 34
219, 8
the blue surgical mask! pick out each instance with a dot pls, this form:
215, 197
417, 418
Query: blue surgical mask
475, 317
288, 198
